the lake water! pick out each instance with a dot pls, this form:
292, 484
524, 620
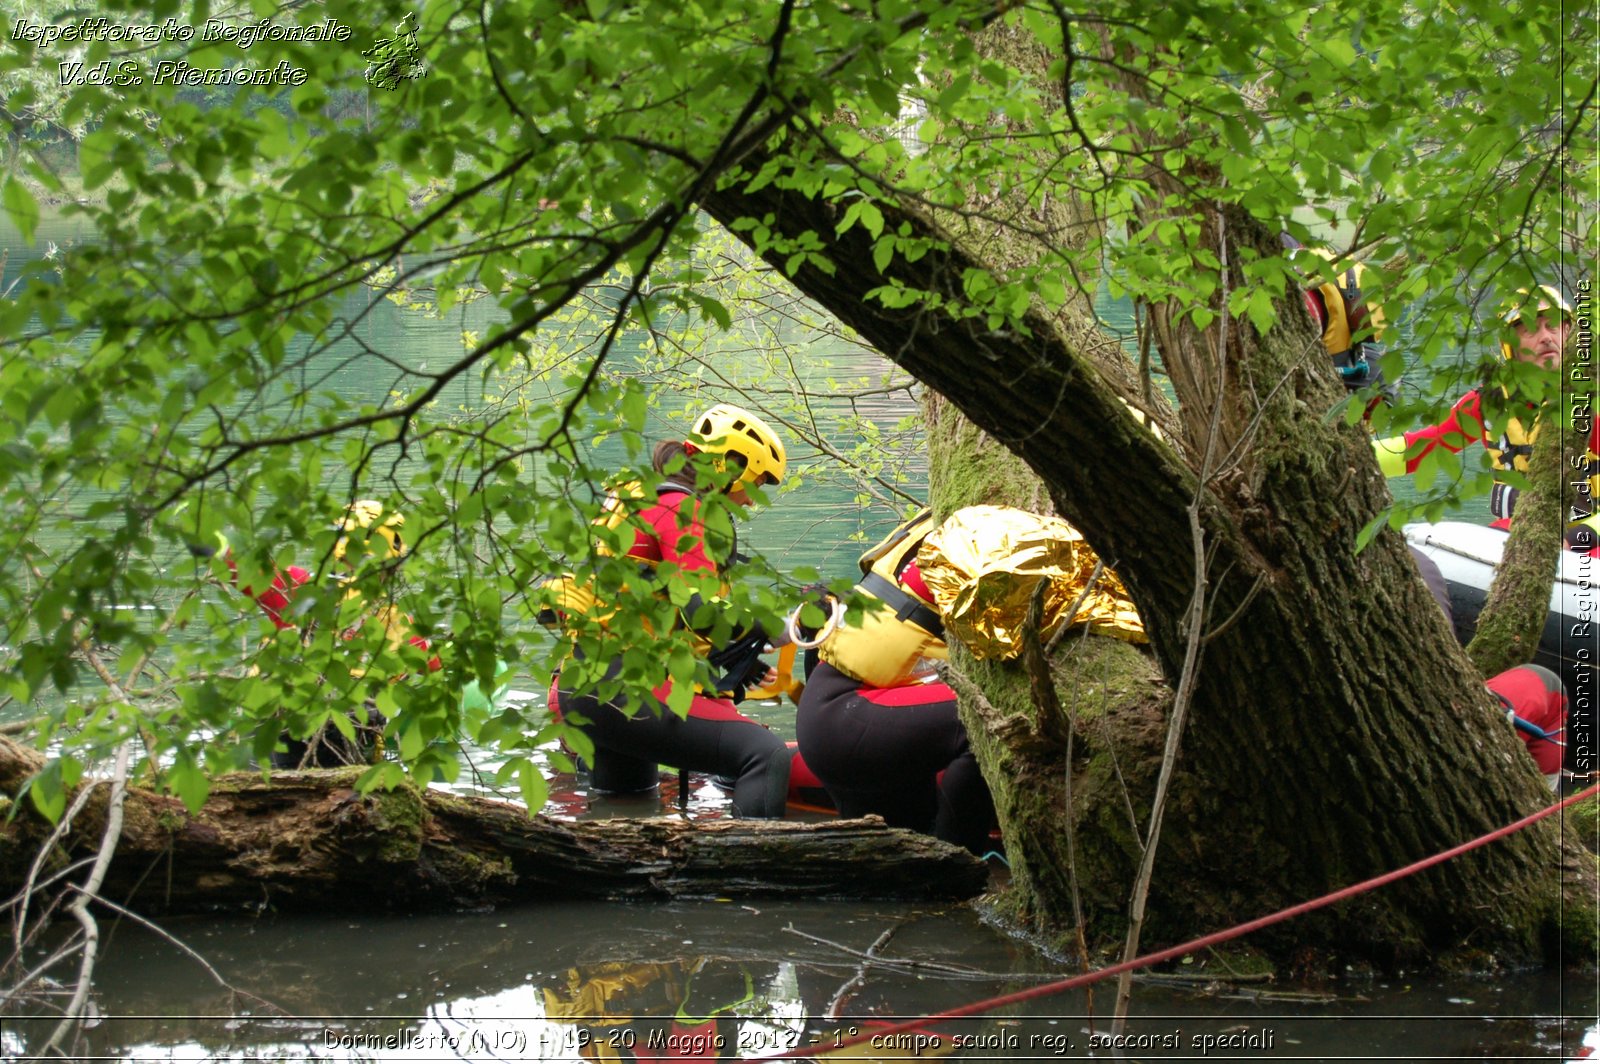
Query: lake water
531, 983
573, 982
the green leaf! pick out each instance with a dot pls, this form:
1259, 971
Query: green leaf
954, 91
1368, 530
1340, 52
1261, 311
1238, 137
635, 408
717, 311
47, 793
22, 208
412, 741
883, 253
871, 219
531, 782
189, 783
680, 698
886, 96
384, 776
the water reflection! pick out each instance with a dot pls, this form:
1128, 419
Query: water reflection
724, 980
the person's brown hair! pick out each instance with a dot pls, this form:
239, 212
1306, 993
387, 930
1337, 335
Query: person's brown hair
673, 454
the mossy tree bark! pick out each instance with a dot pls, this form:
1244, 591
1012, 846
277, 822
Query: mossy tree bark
1072, 822
1513, 617
1338, 731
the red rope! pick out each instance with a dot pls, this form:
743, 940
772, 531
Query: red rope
1192, 946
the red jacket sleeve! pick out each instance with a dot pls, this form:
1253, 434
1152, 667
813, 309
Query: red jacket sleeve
275, 599
1464, 426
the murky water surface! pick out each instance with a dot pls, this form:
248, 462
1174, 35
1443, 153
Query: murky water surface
723, 980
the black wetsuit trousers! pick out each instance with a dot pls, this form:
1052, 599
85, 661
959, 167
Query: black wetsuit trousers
901, 753
714, 739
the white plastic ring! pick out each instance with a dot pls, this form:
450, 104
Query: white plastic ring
791, 626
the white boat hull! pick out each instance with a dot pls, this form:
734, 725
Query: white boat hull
1468, 555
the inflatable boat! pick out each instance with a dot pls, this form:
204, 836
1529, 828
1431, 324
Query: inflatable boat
1467, 555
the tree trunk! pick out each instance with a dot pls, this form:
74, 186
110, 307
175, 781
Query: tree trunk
1068, 827
307, 841
1513, 616
1338, 731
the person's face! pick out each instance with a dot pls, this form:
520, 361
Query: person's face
1543, 341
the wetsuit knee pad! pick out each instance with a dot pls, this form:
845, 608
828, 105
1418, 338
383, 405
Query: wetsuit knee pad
761, 786
776, 799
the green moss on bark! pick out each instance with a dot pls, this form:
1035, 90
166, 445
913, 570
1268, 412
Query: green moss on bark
1513, 617
1575, 916
399, 820
1582, 822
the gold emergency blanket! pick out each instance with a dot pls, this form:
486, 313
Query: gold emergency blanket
985, 562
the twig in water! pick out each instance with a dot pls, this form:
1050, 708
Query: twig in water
30, 885
17, 989
80, 907
952, 969
157, 929
907, 965
860, 978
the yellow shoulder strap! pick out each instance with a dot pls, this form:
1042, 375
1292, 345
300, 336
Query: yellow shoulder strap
902, 541
1336, 335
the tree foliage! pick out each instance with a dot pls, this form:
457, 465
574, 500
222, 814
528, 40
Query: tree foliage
158, 381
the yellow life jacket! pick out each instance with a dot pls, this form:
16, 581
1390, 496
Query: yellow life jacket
901, 628
1515, 445
397, 627
398, 631
569, 597
1512, 450
1342, 300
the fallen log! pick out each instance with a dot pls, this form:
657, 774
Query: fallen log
308, 841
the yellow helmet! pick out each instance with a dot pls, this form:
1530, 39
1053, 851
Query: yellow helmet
368, 514
733, 430
1548, 296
